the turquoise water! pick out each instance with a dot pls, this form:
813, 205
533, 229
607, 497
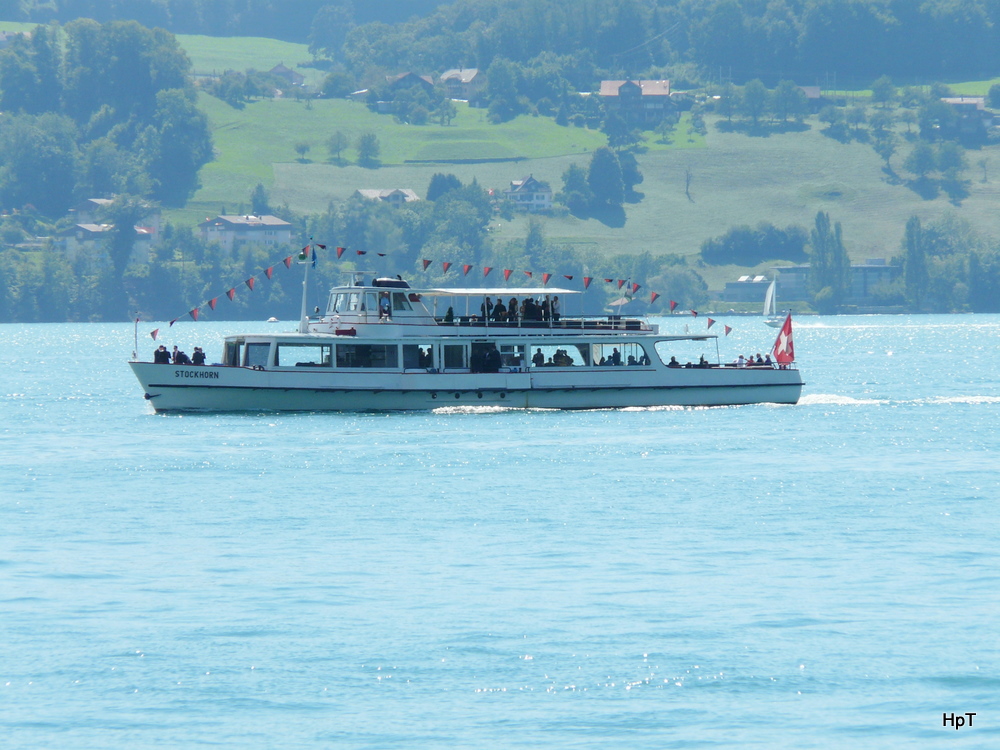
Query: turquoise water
815, 576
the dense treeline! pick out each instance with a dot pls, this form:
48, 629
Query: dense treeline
93, 109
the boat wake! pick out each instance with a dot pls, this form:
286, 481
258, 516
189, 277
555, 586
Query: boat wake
823, 399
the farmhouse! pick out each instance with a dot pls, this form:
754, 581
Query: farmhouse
395, 197
530, 194
637, 101
463, 83
232, 231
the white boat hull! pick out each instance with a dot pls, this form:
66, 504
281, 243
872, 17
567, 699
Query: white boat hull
218, 389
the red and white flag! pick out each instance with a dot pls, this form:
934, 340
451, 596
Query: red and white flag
784, 351
710, 323
154, 333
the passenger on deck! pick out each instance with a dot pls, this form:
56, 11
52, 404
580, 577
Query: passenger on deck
512, 310
602, 363
702, 362
616, 357
760, 359
630, 362
486, 309
538, 360
740, 361
449, 317
161, 356
198, 358
384, 306
182, 359
555, 309
545, 309
673, 362
499, 311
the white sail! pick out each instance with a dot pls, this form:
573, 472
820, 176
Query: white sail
770, 303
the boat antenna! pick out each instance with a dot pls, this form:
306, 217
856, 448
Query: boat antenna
135, 341
305, 261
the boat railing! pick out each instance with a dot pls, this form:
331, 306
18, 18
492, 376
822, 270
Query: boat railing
592, 323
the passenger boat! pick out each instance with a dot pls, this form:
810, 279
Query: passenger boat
383, 345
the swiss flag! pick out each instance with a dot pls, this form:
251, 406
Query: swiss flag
784, 351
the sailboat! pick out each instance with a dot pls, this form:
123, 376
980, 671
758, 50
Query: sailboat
771, 316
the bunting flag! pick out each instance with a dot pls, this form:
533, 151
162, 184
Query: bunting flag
340, 251
193, 313
269, 271
710, 323
652, 297
784, 351
361, 252
288, 262
545, 278
446, 265
586, 281
304, 254
621, 283
231, 293
635, 287
321, 247
486, 271
465, 269
172, 322
381, 255
426, 263
250, 282
608, 281
673, 305
567, 277
212, 302
695, 313
506, 274
154, 333
528, 274
728, 329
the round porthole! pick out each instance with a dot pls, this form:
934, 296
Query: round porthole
503, 395
480, 395
434, 395
457, 395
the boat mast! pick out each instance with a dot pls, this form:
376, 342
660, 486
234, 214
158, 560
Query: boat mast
304, 316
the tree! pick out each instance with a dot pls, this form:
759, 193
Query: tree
604, 176
38, 156
124, 214
259, 200
788, 100
337, 84
631, 174
369, 150
176, 145
883, 91
915, 275
921, 160
885, 146
830, 266
302, 148
576, 194
441, 184
993, 97
446, 112
336, 144
330, 27
754, 101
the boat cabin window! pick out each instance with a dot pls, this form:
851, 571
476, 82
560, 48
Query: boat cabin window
232, 354
370, 302
686, 352
256, 355
304, 355
454, 357
511, 355
619, 354
367, 355
399, 302
417, 356
560, 355
353, 302
340, 302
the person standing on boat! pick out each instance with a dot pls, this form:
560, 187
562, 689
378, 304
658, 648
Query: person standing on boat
161, 356
198, 358
539, 359
555, 309
384, 306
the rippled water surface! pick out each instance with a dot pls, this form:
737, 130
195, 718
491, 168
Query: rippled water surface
823, 575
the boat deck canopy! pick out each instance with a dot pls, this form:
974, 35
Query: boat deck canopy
503, 291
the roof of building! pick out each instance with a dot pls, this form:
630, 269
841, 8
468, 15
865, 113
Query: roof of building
248, 221
649, 88
465, 75
408, 195
529, 183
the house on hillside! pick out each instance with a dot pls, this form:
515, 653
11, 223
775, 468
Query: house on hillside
973, 117
88, 239
814, 98
91, 211
395, 197
529, 194
408, 79
294, 78
637, 101
6, 37
874, 273
233, 231
463, 83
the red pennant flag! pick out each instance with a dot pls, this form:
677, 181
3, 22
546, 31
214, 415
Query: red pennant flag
528, 274
304, 253
567, 277
340, 251
621, 283
321, 247
784, 351
194, 313
486, 271
465, 269
231, 293
361, 252
211, 302
172, 322
250, 282
269, 271
652, 297
710, 323
673, 305
288, 262
545, 278
695, 313
154, 333
728, 329
586, 281
426, 263
608, 281
506, 274
446, 265
381, 255
635, 288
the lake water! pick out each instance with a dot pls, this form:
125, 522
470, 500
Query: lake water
817, 576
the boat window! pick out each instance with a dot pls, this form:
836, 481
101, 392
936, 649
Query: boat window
353, 302
340, 304
560, 355
367, 355
399, 302
512, 355
370, 302
618, 354
256, 355
686, 352
304, 355
418, 355
232, 356
454, 356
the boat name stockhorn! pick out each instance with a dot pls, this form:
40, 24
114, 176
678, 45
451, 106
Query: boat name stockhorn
196, 374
